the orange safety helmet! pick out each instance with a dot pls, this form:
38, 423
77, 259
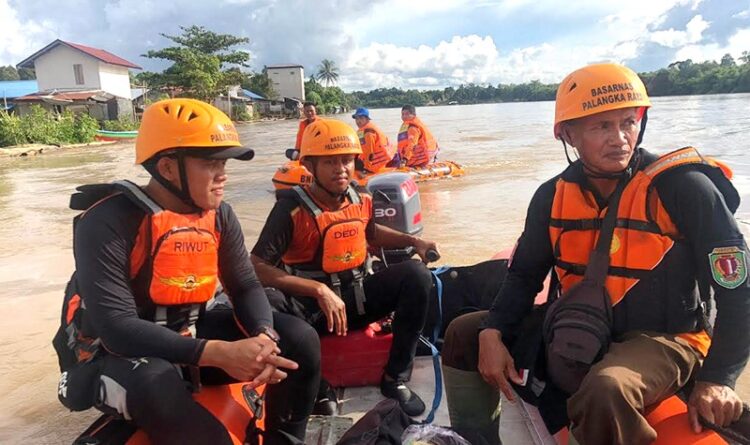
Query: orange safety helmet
189, 124
329, 137
597, 88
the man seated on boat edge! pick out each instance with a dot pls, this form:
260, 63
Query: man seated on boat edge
686, 239
417, 146
313, 247
126, 329
311, 115
377, 150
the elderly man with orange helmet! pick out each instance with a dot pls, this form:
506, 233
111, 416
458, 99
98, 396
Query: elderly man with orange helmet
629, 325
136, 334
314, 245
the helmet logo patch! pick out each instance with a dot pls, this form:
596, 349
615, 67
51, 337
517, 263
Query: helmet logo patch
221, 137
338, 142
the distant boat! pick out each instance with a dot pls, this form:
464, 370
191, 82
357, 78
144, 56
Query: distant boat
105, 135
453, 102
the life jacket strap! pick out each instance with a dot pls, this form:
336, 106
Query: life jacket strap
359, 290
358, 275
161, 317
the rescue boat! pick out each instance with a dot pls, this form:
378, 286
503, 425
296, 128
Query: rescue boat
235, 405
293, 173
353, 366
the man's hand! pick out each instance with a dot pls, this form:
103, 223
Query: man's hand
422, 246
253, 359
716, 403
496, 364
333, 308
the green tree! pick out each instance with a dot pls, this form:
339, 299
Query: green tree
8, 73
260, 83
328, 72
727, 60
27, 74
198, 63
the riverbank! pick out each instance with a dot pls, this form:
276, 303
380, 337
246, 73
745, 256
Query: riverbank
37, 149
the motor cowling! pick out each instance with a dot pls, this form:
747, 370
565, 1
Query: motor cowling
396, 204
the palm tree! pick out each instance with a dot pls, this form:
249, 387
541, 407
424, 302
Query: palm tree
328, 72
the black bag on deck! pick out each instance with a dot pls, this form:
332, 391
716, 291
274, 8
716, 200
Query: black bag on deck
465, 289
382, 425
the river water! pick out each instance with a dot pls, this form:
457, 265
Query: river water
508, 150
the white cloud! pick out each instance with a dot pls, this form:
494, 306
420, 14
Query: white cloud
18, 38
359, 36
736, 44
672, 38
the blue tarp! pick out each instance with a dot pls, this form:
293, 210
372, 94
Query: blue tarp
252, 95
10, 89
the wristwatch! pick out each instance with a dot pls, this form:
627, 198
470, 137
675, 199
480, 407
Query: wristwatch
269, 331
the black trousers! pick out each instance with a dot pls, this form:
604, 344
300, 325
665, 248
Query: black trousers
403, 287
153, 394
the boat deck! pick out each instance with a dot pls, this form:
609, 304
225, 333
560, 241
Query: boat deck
520, 424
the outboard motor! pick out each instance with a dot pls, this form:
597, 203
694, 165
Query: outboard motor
395, 204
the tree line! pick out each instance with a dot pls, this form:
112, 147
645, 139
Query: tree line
679, 78
204, 64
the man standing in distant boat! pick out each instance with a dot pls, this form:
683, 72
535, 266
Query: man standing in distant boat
311, 115
675, 249
377, 150
417, 146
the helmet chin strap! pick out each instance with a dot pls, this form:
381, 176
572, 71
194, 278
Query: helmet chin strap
182, 193
627, 171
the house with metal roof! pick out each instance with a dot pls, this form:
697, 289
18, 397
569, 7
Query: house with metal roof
94, 76
11, 89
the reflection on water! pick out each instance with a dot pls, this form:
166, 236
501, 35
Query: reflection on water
508, 149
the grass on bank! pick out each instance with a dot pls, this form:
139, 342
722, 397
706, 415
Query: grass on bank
42, 127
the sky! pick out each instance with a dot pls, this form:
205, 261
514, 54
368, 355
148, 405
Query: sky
423, 44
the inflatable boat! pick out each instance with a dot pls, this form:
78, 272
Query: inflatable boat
293, 173
353, 365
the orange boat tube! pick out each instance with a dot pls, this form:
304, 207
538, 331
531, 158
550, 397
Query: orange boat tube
293, 173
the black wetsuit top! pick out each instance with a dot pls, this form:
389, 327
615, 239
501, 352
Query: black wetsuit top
103, 241
697, 208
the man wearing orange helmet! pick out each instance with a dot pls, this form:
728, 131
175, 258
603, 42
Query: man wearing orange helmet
313, 247
148, 261
644, 331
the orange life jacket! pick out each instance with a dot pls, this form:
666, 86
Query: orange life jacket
174, 259
376, 155
646, 248
342, 242
421, 151
302, 125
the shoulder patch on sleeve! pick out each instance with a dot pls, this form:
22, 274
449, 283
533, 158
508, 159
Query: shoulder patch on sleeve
728, 266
